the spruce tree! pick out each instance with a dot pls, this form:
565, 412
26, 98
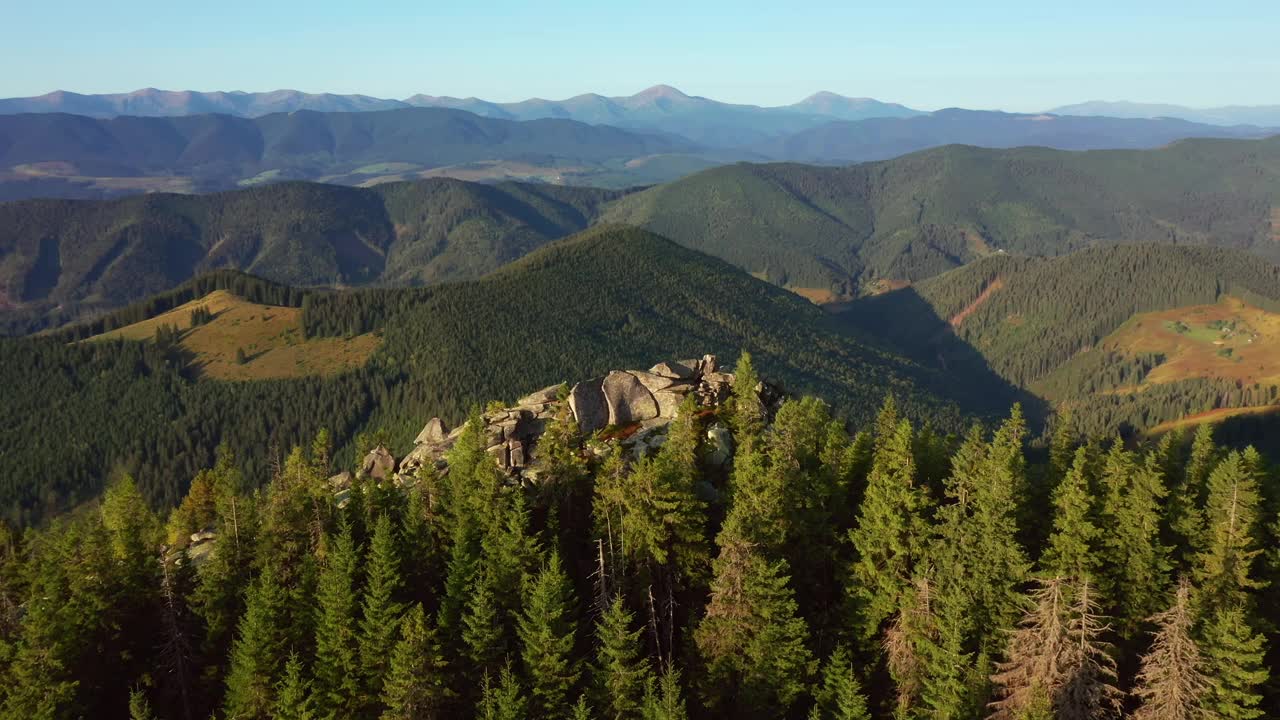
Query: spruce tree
417, 685
663, 699
380, 618
621, 673
139, 707
1233, 653
746, 416
547, 634
483, 627
337, 685
839, 695
258, 655
891, 531
293, 694
1137, 564
1171, 683
1186, 514
752, 638
503, 701
1225, 566
1073, 545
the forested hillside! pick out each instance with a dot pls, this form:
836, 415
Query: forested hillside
85, 256
819, 574
1037, 322
917, 216
608, 299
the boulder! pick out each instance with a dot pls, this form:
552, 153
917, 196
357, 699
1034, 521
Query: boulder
435, 432
516, 454
709, 365
674, 370
499, 453
668, 402
421, 455
651, 382
379, 464
542, 397
589, 407
721, 441
628, 400
340, 481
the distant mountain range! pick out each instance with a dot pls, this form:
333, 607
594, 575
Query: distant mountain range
1264, 115
661, 107
63, 155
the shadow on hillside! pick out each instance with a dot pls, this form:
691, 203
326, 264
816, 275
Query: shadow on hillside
902, 322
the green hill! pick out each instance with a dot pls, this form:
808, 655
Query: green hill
919, 215
62, 258
609, 298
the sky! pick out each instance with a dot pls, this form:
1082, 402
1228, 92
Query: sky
1023, 55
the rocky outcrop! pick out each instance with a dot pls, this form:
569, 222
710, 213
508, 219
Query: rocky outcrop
379, 464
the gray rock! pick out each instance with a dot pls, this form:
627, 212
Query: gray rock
709, 365
668, 402
674, 370
421, 455
516, 454
341, 480
718, 377
434, 432
627, 398
588, 404
721, 445
652, 383
542, 397
379, 464
499, 453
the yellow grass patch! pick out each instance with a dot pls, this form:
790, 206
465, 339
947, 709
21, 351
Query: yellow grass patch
270, 336
1229, 339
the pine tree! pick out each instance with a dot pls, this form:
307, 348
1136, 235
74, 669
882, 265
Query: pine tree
504, 701
891, 531
1233, 654
839, 696
662, 698
621, 673
483, 632
546, 631
1171, 684
1224, 567
293, 694
258, 655
752, 638
380, 618
1073, 545
337, 669
417, 683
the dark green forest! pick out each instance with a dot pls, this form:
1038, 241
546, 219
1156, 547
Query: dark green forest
76, 413
891, 571
919, 215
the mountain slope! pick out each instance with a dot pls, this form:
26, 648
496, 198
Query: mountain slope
882, 138
150, 102
81, 256
605, 299
922, 214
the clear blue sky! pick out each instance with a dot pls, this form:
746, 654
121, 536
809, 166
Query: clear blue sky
1017, 55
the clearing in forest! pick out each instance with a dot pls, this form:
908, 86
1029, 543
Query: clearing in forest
269, 336
1229, 339
1211, 416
